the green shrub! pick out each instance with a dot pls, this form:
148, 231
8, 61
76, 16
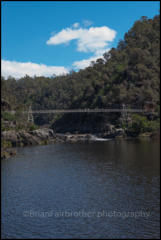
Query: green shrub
8, 116
6, 144
140, 124
32, 127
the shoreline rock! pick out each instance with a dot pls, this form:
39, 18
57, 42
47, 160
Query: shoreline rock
45, 136
7, 153
24, 138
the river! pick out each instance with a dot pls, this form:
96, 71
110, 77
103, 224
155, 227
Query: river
100, 189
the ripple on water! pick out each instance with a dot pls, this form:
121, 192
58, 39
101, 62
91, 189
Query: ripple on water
99, 178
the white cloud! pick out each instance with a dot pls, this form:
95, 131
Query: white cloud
92, 39
84, 63
87, 23
87, 62
20, 69
76, 25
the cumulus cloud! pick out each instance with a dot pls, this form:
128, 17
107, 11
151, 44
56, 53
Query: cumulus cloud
76, 25
20, 69
88, 39
91, 39
87, 62
87, 23
84, 63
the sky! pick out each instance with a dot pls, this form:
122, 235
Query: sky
46, 38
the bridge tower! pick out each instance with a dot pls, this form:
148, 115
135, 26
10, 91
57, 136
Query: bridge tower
30, 115
124, 115
126, 119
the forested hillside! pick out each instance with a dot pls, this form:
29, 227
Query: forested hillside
128, 74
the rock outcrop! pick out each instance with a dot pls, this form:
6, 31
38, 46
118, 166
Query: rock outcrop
43, 134
7, 153
23, 138
11, 136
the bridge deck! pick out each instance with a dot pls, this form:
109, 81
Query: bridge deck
84, 110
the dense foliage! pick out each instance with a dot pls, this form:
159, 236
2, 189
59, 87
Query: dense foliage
129, 74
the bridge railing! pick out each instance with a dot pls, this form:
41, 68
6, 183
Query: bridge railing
109, 110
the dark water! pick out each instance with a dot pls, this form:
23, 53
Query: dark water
86, 190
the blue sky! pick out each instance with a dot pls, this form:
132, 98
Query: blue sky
54, 37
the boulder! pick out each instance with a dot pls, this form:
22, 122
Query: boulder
77, 137
11, 136
7, 153
119, 131
109, 128
43, 134
28, 139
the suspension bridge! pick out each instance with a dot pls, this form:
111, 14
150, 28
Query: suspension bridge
124, 110
96, 110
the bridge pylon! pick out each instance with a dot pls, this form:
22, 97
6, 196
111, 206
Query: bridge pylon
124, 115
30, 117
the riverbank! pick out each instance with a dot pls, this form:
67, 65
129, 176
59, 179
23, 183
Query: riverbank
12, 138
